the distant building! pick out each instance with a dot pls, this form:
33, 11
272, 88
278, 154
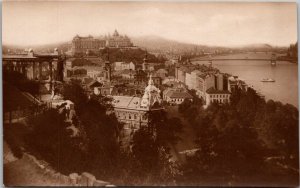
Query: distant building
103, 90
124, 66
235, 83
127, 74
203, 79
75, 72
118, 41
90, 45
176, 95
217, 96
162, 73
83, 45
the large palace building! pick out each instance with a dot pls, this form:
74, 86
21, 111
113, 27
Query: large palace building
84, 45
118, 41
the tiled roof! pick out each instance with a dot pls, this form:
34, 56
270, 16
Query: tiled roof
177, 93
127, 102
162, 71
126, 71
95, 83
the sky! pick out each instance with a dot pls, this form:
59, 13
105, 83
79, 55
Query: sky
219, 24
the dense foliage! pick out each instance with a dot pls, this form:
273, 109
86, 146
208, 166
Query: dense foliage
129, 55
242, 142
21, 82
96, 148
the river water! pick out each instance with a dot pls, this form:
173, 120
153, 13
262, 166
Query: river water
285, 74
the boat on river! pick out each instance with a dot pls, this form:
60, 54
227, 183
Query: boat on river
267, 80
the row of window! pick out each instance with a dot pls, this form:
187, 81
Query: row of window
89, 44
130, 116
220, 100
219, 96
178, 100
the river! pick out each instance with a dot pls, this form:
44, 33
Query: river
285, 74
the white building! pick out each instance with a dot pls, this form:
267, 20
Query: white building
176, 95
217, 96
124, 66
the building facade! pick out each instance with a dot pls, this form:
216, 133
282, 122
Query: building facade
176, 95
83, 45
206, 81
89, 45
118, 41
133, 111
124, 66
217, 96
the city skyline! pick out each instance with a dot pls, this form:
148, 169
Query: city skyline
215, 24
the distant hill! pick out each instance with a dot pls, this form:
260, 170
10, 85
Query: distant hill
64, 46
261, 47
257, 46
156, 43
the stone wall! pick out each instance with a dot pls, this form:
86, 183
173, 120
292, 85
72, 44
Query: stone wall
74, 179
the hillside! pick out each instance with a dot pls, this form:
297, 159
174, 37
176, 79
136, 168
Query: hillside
37, 48
155, 43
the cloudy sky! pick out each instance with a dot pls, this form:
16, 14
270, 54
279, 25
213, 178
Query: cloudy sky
223, 24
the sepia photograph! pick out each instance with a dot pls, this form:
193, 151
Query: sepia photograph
150, 93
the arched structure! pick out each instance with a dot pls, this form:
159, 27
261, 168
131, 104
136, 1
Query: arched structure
31, 65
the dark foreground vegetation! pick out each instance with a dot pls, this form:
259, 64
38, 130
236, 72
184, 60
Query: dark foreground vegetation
96, 148
20, 81
247, 142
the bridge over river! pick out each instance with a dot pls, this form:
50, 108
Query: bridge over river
210, 59
228, 59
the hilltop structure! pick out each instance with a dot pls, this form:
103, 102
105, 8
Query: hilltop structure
89, 45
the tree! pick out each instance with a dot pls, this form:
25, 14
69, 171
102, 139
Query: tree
236, 140
166, 129
151, 161
50, 139
221, 141
279, 128
184, 106
74, 92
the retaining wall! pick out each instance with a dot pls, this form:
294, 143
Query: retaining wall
74, 179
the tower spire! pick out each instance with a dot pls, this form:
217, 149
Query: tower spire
107, 67
145, 62
150, 82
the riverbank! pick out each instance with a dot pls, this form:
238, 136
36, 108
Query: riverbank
285, 74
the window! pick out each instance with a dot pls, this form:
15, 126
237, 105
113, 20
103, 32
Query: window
144, 117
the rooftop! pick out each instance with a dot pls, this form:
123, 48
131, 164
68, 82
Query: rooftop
127, 102
212, 90
178, 93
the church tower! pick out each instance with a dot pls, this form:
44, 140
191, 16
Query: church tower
107, 68
151, 95
145, 62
